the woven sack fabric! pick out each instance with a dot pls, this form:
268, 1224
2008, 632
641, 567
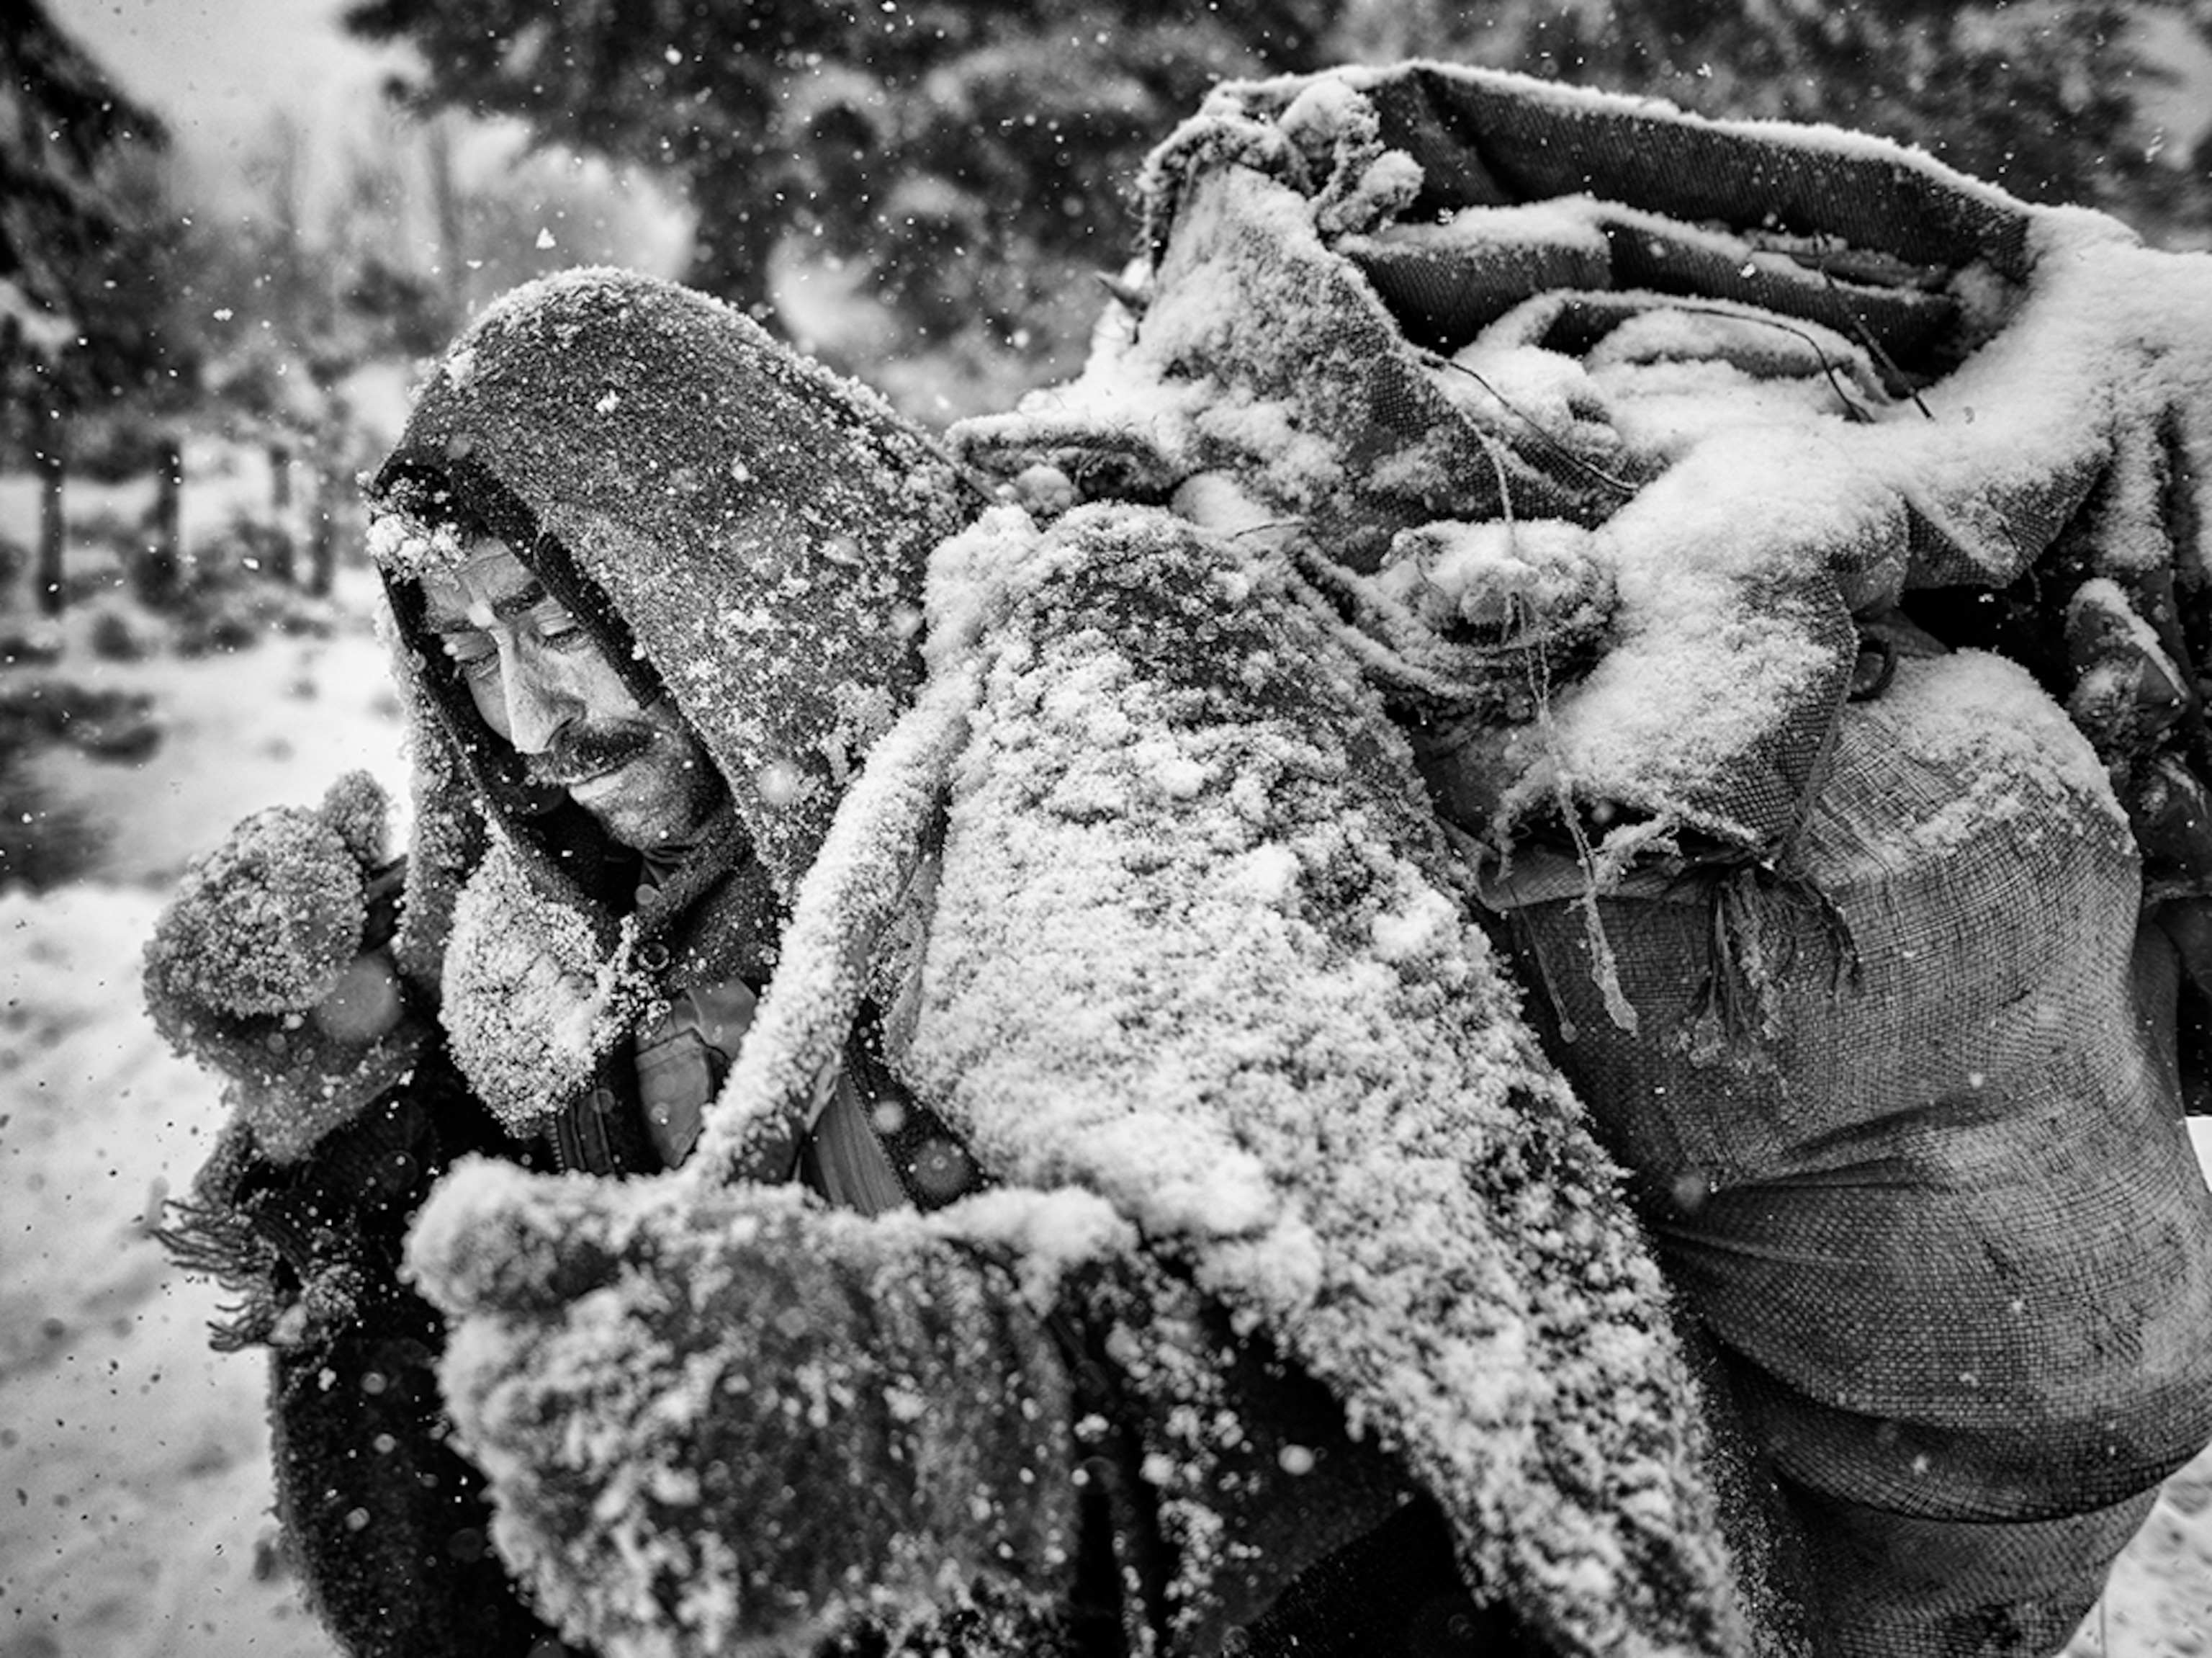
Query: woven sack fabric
1888, 1585
1907, 1133
1906, 1138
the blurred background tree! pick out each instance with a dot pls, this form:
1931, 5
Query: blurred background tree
954, 173
969, 157
86, 321
314, 285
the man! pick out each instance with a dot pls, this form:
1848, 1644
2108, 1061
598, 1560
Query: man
655, 591
545, 687
546, 730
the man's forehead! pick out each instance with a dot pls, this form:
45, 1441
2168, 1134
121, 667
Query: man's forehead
490, 578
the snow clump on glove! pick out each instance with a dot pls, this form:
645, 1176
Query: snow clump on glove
262, 967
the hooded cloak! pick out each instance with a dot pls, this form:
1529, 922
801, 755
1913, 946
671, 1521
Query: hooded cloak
742, 533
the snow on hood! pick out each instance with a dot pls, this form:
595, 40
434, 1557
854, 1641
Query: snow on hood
742, 528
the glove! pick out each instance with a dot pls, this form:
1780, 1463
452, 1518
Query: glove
738, 1417
270, 966
806, 1423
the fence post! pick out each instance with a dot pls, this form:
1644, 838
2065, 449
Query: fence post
323, 532
161, 568
50, 458
283, 562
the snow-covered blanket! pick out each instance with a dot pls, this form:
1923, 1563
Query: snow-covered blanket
1200, 946
1195, 945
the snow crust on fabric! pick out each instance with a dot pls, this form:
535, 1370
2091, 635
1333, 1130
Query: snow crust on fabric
1197, 948
530, 1003
735, 1421
262, 930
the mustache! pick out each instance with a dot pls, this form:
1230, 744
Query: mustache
580, 751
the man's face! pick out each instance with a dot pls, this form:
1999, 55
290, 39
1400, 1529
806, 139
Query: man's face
540, 681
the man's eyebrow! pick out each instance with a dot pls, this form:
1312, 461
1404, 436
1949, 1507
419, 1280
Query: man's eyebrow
528, 596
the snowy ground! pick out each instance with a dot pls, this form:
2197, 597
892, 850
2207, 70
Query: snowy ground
136, 1458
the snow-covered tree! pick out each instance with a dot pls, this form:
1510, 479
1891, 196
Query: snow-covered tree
80, 298
972, 152
971, 156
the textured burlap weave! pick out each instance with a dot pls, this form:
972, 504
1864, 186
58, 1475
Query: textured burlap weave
1908, 1144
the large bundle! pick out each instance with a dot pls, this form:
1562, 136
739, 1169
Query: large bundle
1734, 514
1196, 957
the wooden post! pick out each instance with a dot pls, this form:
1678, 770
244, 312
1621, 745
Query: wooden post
282, 563
162, 569
51, 457
323, 532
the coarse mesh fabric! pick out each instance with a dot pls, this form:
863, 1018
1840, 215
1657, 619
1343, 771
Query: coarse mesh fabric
1898, 1585
1909, 1146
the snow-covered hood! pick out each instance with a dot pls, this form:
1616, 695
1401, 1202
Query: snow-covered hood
742, 528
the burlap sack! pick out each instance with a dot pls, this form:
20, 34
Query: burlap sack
1910, 1144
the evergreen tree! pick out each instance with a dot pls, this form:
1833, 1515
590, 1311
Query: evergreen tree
80, 294
972, 155
65, 125
961, 149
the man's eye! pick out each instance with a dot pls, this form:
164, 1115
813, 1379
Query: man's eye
474, 657
554, 626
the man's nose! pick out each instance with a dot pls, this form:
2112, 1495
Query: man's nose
537, 706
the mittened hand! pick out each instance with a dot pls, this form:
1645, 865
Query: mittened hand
712, 1420
268, 966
